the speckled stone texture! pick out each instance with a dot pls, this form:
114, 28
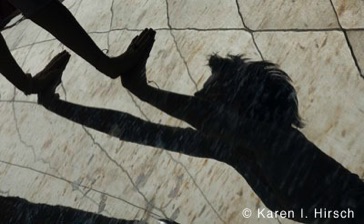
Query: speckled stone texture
48, 159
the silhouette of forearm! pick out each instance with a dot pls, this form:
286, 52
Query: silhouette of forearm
10, 68
199, 113
207, 117
132, 129
18, 210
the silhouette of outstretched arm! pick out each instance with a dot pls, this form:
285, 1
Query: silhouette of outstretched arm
18, 210
285, 169
211, 119
132, 129
24, 81
54, 17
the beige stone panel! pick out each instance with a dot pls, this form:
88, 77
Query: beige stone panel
74, 158
351, 13
7, 88
356, 41
139, 14
95, 16
196, 46
329, 89
34, 184
10, 144
281, 14
35, 59
81, 80
165, 69
204, 14
27, 33
23, 34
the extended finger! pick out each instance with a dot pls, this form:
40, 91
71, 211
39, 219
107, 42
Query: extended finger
142, 37
146, 39
64, 55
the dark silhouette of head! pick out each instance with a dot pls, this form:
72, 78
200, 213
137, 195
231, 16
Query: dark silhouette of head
257, 90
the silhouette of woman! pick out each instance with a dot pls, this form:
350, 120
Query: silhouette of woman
246, 116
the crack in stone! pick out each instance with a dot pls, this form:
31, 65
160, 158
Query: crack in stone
154, 215
170, 28
249, 30
5, 193
109, 31
124, 170
138, 106
182, 165
347, 41
112, 15
178, 50
102, 203
17, 101
206, 30
195, 183
35, 157
78, 7
16, 120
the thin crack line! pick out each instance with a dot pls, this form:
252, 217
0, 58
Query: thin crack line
17, 101
6, 193
138, 106
195, 183
347, 41
249, 30
112, 15
122, 168
78, 7
110, 26
125, 171
16, 119
255, 43
279, 221
203, 30
183, 166
178, 50
245, 28
156, 216
31, 147
35, 157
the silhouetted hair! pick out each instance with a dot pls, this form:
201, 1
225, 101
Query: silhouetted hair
260, 90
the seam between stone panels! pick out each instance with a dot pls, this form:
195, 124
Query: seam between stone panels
109, 31
347, 41
248, 29
31, 147
124, 170
176, 44
84, 194
203, 30
94, 142
179, 163
79, 185
195, 183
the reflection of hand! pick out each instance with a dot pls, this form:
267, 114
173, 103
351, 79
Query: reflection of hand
50, 73
136, 77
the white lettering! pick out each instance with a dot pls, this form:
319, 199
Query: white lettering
265, 213
323, 213
260, 213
